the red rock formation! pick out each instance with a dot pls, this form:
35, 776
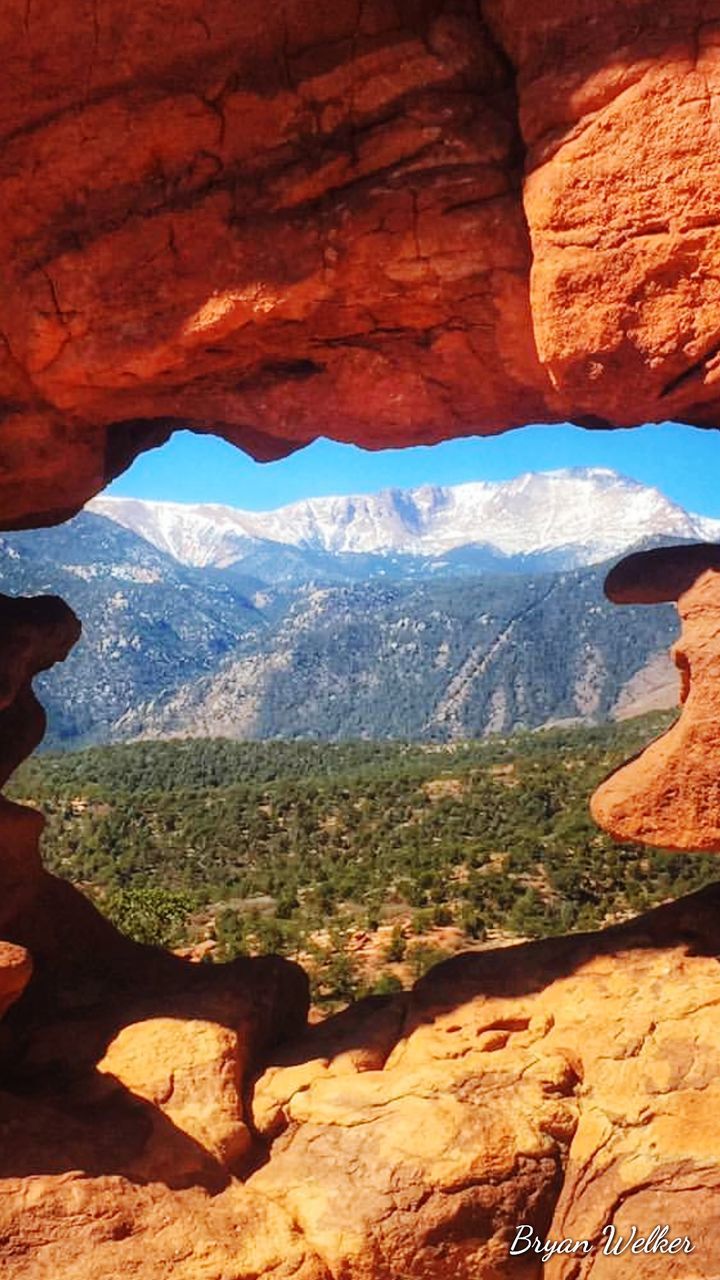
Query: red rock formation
388, 224
33, 635
271, 223
15, 970
56, 923
668, 795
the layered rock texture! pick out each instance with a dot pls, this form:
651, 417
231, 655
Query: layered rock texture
566, 1084
388, 223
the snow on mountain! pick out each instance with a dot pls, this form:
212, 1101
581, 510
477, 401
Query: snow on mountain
589, 514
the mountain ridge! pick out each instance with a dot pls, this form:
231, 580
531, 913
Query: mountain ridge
578, 515
288, 639
170, 650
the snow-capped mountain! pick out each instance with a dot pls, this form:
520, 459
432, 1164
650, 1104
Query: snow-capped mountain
579, 515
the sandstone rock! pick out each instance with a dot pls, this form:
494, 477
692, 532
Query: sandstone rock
268, 224
70, 1227
34, 634
146, 1086
568, 1084
190, 1071
620, 200
118, 1129
192, 1062
390, 226
356, 1040
668, 795
15, 970
49, 917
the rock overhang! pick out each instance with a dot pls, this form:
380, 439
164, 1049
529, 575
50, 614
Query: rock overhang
388, 225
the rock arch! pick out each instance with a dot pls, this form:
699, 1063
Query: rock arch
389, 223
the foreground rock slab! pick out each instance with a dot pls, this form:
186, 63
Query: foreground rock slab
567, 1084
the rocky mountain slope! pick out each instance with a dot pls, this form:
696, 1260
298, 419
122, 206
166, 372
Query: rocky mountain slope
148, 622
337, 649
443, 660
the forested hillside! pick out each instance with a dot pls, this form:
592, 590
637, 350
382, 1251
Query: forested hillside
438, 661
369, 860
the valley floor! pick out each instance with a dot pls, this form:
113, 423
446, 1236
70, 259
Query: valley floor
367, 862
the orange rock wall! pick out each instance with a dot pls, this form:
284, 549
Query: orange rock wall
668, 796
389, 223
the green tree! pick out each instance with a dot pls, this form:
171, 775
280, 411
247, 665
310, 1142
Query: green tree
155, 916
231, 934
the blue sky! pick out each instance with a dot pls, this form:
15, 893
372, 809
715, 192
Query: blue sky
681, 461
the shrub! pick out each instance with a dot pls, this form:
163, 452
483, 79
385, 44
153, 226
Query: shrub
397, 946
230, 934
423, 956
386, 985
442, 915
157, 917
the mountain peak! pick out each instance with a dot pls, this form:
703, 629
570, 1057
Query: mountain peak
534, 513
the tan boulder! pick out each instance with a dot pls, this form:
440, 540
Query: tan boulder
190, 1070
358, 1039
